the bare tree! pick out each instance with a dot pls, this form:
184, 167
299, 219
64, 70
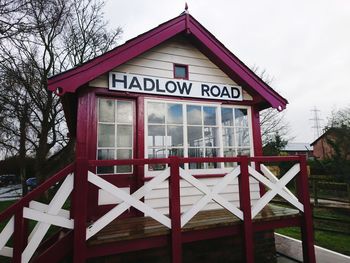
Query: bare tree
64, 34
272, 122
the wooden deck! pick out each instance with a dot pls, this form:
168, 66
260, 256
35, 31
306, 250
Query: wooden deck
145, 227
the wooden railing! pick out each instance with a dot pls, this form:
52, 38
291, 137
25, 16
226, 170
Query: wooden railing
24, 243
84, 175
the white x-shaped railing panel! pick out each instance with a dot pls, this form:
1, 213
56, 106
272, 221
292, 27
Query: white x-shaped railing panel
128, 201
47, 215
210, 194
5, 235
277, 186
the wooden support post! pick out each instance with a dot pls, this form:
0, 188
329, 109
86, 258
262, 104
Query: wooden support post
80, 210
262, 189
175, 211
19, 236
244, 199
306, 224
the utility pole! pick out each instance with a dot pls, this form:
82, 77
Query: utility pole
317, 122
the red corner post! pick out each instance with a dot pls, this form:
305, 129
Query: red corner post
307, 232
244, 199
80, 210
20, 234
175, 211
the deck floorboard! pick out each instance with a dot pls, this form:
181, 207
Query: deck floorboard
144, 227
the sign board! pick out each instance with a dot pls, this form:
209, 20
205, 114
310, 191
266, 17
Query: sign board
173, 87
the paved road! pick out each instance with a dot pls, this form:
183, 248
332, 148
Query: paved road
10, 192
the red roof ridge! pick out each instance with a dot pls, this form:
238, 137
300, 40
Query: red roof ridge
71, 80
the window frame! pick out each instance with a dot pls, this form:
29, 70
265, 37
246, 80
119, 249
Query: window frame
183, 66
115, 148
186, 146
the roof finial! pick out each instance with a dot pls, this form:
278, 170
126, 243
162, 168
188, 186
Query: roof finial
186, 8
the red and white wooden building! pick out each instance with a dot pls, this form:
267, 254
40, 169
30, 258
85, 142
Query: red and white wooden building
167, 131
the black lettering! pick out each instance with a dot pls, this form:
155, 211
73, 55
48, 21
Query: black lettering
225, 92
235, 93
169, 88
158, 89
205, 89
184, 87
215, 91
135, 83
115, 80
147, 87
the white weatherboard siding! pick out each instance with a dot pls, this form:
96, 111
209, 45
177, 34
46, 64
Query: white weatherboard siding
159, 197
159, 62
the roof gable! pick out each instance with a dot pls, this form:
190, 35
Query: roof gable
71, 80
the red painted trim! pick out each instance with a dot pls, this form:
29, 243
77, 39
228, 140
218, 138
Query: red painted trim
306, 224
80, 195
72, 79
244, 199
278, 223
126, 246
257, 140
211, 233
58, 250
19, 236
186, 69
174, 209
225, 59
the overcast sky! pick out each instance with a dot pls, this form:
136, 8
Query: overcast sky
303, 45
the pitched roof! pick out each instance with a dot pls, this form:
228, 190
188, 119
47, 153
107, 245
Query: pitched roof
69, 81
297, 147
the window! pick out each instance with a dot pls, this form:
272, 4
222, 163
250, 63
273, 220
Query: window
180, 71
165, 131
114, 134
195, 130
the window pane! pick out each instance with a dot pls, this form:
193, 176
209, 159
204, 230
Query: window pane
175, 136
241, 117
174, 113
105, 155
106, 110
194, 115
229, 152
226, 116
123, 154
211, 136
106, 135
243, 137
176, 152
195, 152
180, 72
243, 152
156, 153
209, 115
156, 112
194, 135
228, 136
213, 152
156, 135
124, 136
124, 111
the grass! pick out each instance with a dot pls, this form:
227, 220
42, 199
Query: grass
338, 242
